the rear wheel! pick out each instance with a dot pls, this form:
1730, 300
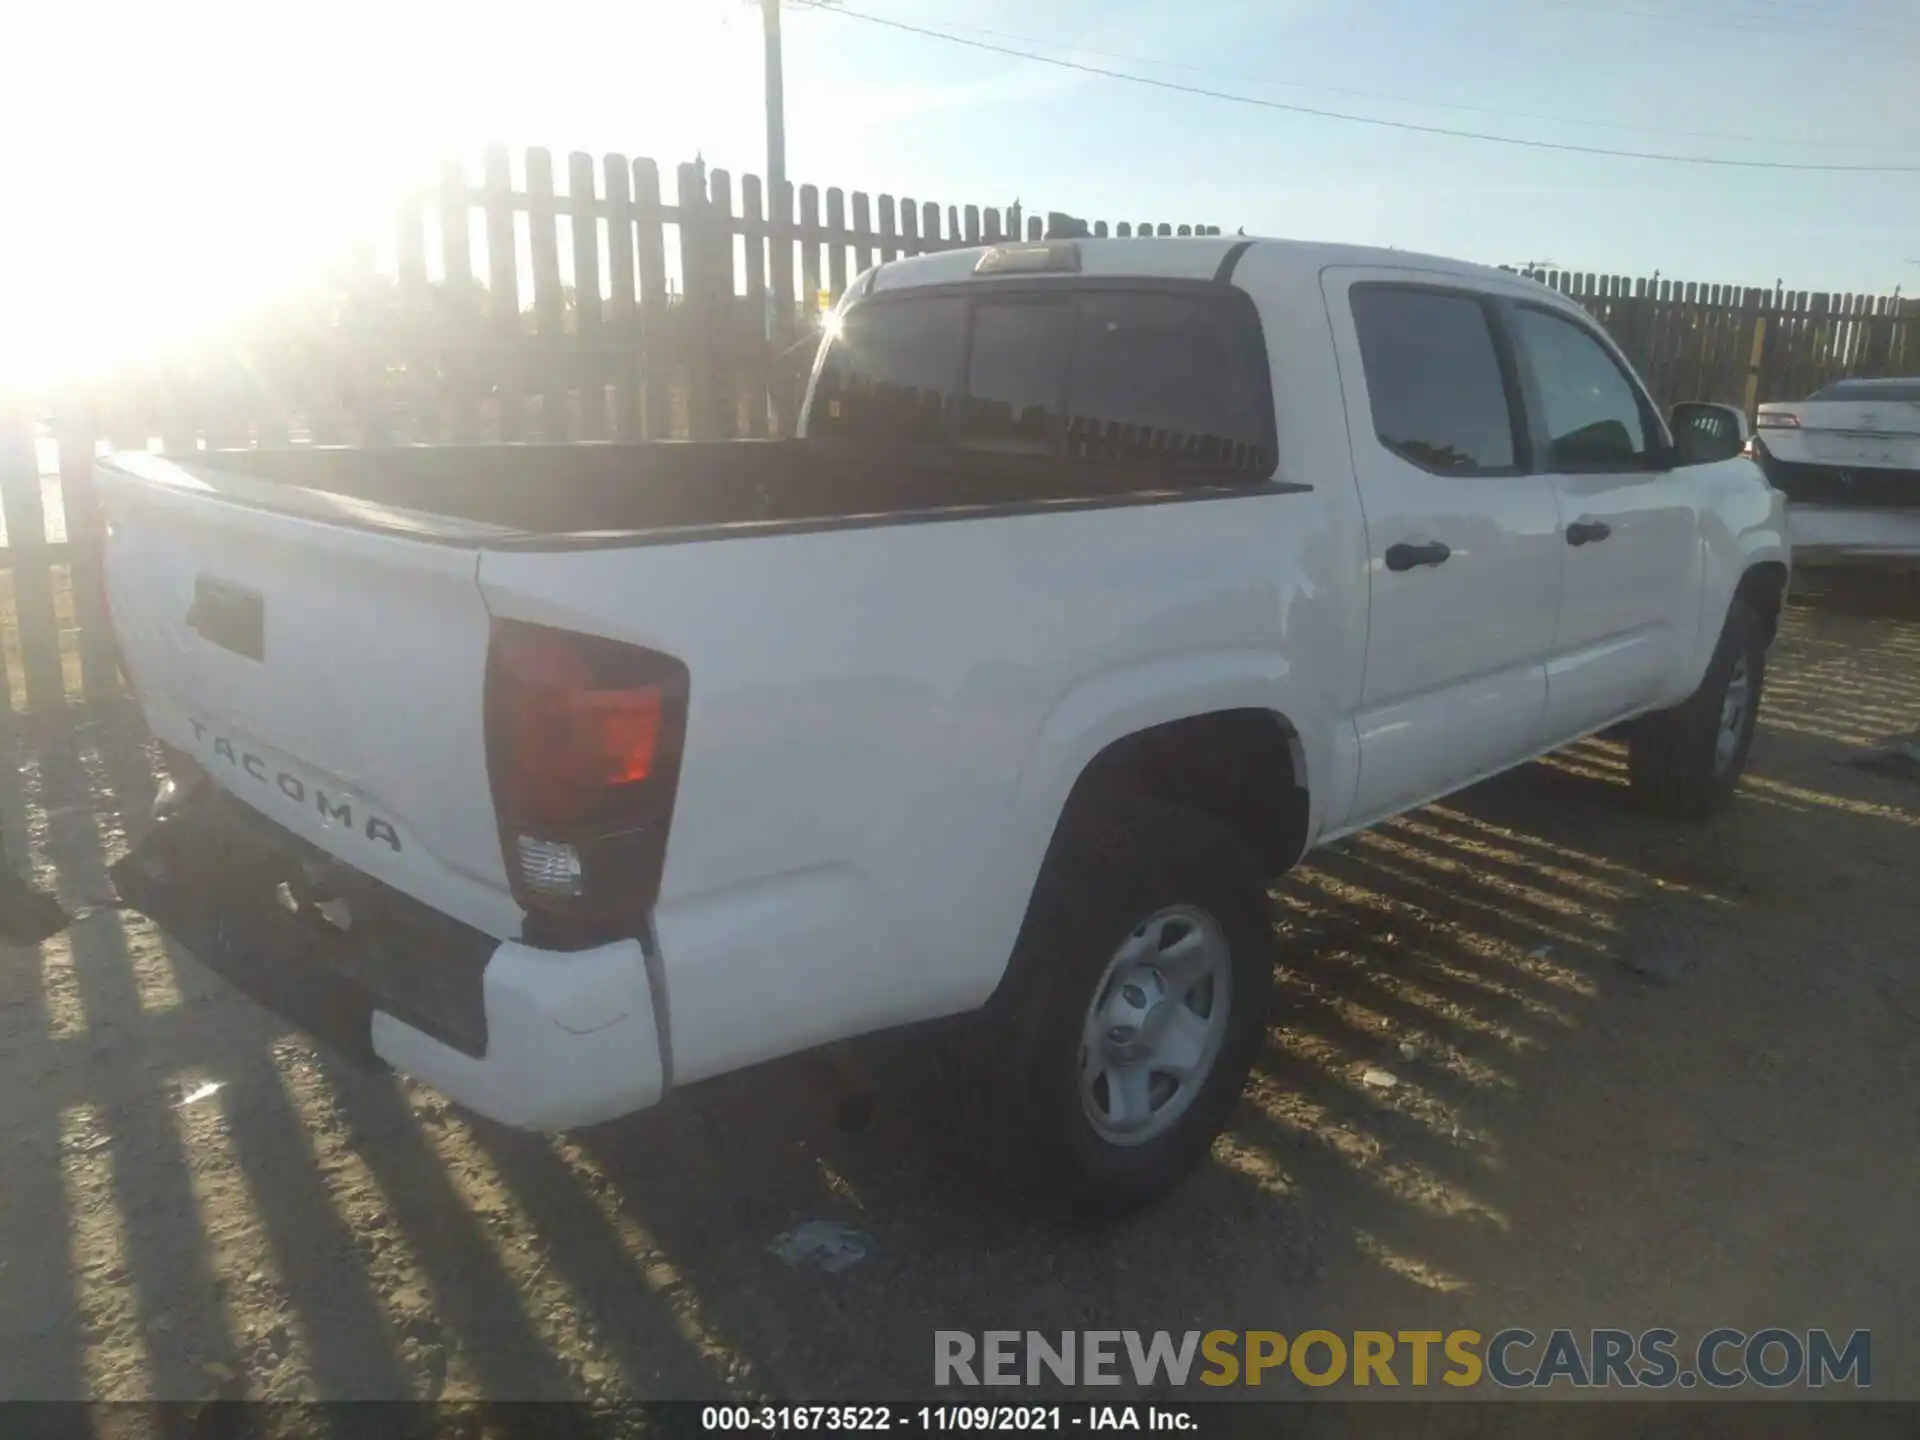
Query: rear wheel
1686, 761
1145, 970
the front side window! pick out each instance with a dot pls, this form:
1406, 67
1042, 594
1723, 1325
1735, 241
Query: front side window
1590, 410
891, 371
1434, 383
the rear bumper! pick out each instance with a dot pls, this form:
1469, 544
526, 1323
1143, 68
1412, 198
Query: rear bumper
571, 1040
1837, 487
538, 1039
1832, 535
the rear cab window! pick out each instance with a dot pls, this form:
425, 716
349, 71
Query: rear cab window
890, 373
1169, 384
1016, 388
1158, 376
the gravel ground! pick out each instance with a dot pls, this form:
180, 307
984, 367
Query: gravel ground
1643, 1075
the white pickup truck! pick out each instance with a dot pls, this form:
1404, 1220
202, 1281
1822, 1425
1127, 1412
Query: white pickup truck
1106, 579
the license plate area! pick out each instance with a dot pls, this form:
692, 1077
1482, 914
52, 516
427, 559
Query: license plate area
1890, 450
217, 876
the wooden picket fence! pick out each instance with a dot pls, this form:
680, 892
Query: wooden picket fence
516, 301
707, 305
1740, 345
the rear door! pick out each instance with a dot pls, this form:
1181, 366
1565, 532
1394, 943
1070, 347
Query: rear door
1465, 553
1628, 524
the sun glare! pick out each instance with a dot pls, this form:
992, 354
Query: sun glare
214, 156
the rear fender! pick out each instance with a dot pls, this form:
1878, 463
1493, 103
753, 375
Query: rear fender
1109, 707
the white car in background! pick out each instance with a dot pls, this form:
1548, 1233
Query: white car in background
1848, 459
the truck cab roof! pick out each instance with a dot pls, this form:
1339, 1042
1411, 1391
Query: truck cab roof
1198, 257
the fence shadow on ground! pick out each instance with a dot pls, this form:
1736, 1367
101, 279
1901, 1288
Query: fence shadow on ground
311, 1228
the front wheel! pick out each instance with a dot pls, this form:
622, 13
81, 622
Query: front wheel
1686, 761
1147, 958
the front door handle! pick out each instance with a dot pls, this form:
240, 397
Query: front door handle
1588, 532
1410, 557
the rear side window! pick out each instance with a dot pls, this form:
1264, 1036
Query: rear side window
1434, 382
1165, 380
890, 375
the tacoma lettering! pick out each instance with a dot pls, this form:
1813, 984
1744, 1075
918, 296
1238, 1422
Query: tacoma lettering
296, 789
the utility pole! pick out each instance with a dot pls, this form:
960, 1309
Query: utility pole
776, 100
779, 318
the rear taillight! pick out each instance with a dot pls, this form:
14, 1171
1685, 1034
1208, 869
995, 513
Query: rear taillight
583, 741
1774, 421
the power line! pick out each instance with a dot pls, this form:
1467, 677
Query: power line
1791, 7
1403, 125
1800, 7
1402, 99
1767, 24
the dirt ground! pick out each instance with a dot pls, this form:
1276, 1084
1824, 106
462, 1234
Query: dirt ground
1645, 1075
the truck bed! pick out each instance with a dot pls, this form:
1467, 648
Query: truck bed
623, 491
313, 624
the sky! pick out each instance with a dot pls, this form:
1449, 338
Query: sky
166, 165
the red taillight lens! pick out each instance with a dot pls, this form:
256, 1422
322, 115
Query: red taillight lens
583, 740
566, 744
1769, 421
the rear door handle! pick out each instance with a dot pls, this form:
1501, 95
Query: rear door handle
1588, 532
1410, 557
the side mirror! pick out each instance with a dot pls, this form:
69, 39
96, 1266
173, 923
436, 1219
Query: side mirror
1704, 433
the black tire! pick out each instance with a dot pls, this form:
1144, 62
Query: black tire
1675, 761
1112, 868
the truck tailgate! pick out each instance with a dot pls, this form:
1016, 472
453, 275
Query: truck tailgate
329, 676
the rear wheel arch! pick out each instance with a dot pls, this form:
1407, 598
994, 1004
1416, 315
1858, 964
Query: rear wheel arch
1243, 767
